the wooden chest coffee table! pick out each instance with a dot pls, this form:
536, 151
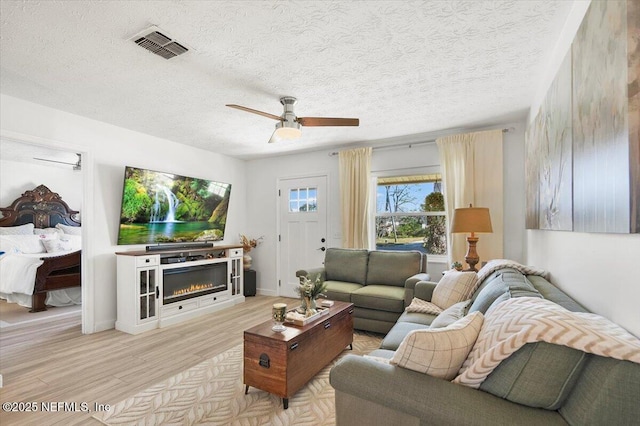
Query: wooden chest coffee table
281, 363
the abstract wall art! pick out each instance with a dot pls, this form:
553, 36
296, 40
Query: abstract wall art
583, 147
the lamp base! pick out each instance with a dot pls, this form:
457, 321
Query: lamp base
472, 257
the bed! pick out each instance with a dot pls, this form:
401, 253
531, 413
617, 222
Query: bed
40, 251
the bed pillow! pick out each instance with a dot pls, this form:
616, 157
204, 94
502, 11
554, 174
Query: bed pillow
71, 230
74, 240
25, 229
47, 231
439, 352
57, 245
27, 244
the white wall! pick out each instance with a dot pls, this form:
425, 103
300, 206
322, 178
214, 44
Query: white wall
17, 177
110, 148
263, 175
595, 269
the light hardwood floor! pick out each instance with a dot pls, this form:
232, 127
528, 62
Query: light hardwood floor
54, 362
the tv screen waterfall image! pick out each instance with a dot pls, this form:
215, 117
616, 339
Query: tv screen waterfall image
164, 208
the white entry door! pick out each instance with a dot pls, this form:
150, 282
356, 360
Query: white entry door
303, 228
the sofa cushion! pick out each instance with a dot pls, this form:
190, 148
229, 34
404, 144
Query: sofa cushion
538, 375
340, 290
439, 352
606, 394
380, 297
373, 325
381, 354
450, 315
398, 332
553, 293
417, 318
348, 265
501, 281
392, 267
454, 287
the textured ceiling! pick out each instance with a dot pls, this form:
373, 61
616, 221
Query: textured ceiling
403, 67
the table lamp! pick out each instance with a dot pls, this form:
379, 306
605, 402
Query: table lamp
471, 219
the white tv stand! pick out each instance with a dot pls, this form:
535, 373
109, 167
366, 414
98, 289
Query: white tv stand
155, 288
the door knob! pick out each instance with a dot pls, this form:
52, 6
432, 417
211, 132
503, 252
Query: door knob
322, 240
322, 248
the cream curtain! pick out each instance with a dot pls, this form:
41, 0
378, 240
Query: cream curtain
472, 174
355, 177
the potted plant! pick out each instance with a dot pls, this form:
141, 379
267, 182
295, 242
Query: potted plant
309, 291
247, 245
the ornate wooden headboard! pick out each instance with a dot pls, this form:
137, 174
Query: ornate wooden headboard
40, 206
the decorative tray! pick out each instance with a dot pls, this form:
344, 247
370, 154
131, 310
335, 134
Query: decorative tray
296, 318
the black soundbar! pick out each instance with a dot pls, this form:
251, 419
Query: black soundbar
178, 246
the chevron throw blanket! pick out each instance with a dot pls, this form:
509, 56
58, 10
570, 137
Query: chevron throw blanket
518, 321
495, 264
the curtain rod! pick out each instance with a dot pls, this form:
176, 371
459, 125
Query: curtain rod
411, 145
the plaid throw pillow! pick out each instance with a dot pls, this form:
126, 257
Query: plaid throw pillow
439, 352
454, 287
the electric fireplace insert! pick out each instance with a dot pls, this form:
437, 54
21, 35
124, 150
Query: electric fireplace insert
193, 281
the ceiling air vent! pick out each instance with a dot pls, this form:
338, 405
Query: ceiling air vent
159, 43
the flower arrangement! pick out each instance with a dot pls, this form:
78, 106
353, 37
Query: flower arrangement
457, 266
311, 289
248, 244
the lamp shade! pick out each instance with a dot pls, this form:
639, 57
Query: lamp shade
471, 219
286, 130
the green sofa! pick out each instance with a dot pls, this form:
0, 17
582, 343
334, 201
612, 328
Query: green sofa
540, 384
380, 284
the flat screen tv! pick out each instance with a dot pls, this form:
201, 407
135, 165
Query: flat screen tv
162, 207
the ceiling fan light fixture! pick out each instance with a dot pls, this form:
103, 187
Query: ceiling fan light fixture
286, 131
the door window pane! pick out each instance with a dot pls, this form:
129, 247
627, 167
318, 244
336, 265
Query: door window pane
303, 200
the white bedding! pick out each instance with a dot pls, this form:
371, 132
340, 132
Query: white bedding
18, 275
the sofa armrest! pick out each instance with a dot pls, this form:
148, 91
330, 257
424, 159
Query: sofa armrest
312, 272
424, 290
410, 284
434, 401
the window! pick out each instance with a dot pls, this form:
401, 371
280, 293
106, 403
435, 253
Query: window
303, 200
410, 214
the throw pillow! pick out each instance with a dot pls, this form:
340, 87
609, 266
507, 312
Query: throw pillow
17, 230
450, 315
72, 230
423, 307
54, 246
454, 287
439, 352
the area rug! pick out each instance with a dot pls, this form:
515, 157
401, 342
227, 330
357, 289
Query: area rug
212, 393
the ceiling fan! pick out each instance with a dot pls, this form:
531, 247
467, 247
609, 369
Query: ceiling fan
76, 166
288, 125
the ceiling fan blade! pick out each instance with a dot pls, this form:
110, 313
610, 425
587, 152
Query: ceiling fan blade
326, 121
54, 161
255, 111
